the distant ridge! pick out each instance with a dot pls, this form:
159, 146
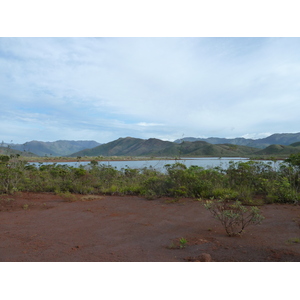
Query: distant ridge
279, 144
277, 138
9, 151
58, 148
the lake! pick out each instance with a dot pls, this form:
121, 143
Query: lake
205, 162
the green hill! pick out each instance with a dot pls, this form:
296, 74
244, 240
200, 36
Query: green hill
126, 146
9, 151
155, 147
295, 144
279, 150
58, 148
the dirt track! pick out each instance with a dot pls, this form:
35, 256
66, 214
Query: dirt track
48, 228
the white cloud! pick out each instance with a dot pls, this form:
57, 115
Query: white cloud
257, 135
150, 87
144, 124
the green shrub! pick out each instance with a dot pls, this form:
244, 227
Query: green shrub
225, 194
155, 186
11, 173
233, 216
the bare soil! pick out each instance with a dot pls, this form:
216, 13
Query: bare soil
44, 227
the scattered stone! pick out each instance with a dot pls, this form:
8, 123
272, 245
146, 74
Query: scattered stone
204, 257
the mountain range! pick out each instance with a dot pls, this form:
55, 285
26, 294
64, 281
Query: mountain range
277, 138
153, 147
282, 144
58, 148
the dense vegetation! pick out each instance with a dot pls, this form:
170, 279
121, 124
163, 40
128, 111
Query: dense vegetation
247, 182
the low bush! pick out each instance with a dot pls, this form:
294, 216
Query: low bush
234, 216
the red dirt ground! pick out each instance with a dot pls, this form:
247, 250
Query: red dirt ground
47, 228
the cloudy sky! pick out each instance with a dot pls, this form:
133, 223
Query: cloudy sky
105, 88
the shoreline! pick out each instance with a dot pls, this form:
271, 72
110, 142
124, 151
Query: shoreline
53, 160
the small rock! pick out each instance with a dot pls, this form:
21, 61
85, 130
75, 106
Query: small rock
204, 257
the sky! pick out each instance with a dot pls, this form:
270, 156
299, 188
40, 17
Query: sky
167, 88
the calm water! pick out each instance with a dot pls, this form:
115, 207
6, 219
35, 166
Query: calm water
210, 162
